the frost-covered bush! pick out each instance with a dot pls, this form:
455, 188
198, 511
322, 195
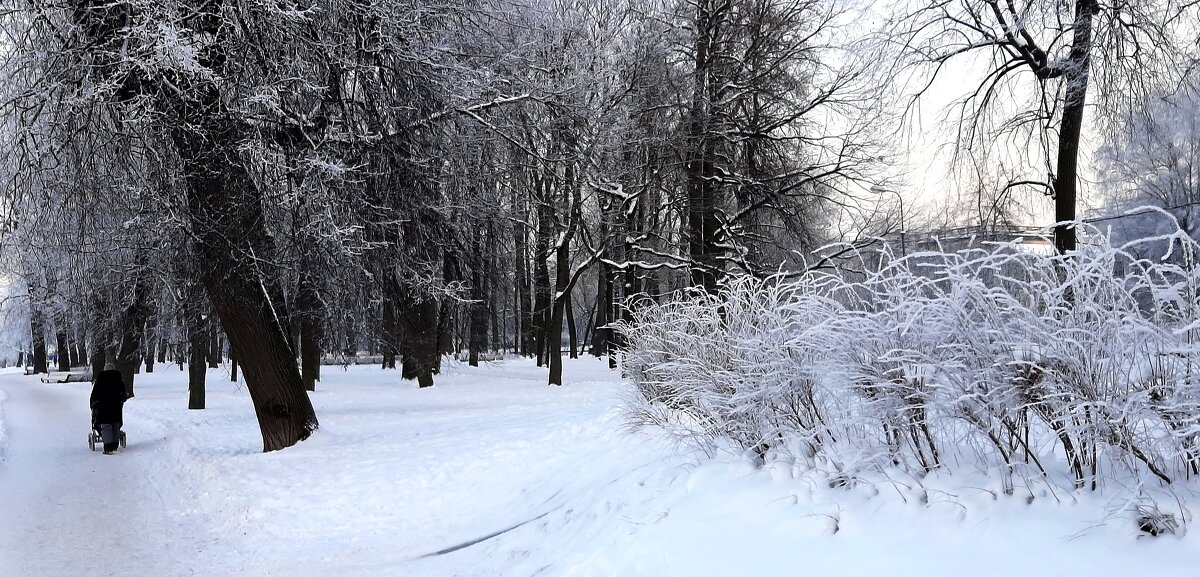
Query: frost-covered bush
1077, 369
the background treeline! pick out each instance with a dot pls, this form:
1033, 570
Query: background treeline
278, 180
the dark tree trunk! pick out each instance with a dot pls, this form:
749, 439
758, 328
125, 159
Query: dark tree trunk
308, 314
572, 333
80, 356
523, 301
600, 330
419, 327
451, 273
99, 351
479, 308
564, 281
541, 283
162, 350
133, 328
352, 338
61, 345
198, 344
233, 366
214, 348
388, 341
703, 222
1075, 98
230, 242
37, 330
151, 341
524, 307
562, 277
224, 207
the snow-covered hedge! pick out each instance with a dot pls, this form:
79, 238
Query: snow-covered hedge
1071, 370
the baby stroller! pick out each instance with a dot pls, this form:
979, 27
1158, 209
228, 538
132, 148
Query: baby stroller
106, 433
108, 397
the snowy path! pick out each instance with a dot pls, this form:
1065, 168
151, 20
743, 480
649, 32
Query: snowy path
461, 479
65, 509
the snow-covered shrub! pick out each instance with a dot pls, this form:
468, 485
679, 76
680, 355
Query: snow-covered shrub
1072, 370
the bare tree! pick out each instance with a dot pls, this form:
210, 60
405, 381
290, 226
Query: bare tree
1046, 56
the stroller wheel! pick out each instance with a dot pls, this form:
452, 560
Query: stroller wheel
92, 441
122, 439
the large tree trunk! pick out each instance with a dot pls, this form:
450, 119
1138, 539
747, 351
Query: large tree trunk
230, 243
1075, 98
225, 212
230, 240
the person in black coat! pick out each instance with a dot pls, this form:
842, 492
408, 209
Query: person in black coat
108, 400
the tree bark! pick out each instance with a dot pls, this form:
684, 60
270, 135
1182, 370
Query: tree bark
554, 339
37, 331
703, 224
572, 333
60, 343
198, 345
308, 315
600, 328
80, 355
542, 315
151, 341
1074, 105
388, 343
477, 341
133, 327
419, 328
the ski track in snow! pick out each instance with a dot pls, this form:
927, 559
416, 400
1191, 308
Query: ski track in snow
490, 473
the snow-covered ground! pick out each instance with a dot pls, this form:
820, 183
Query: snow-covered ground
490, 473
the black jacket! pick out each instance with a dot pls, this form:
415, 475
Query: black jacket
108, 396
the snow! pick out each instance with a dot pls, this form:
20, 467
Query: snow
491, 472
